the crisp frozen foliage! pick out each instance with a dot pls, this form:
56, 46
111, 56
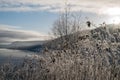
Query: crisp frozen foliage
93, 55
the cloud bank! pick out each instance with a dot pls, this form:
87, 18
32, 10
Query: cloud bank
9, 34
96, 6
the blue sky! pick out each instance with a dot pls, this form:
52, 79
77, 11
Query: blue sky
40, 21
36, 17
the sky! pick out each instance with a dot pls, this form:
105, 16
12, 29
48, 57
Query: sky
22, 20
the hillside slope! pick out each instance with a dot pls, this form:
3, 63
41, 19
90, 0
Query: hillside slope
102, 40
86, 55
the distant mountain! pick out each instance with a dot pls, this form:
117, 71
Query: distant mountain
34, 46
25, 43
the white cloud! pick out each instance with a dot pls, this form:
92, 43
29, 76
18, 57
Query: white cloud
7, 53
10, 34
56, 5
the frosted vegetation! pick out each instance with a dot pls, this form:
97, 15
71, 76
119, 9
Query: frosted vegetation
85, 55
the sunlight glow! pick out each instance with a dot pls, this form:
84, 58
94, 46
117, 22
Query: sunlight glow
114, 20
115, 11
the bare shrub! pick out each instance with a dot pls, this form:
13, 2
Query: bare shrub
89, 59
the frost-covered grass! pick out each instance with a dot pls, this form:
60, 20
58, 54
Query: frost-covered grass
91, 58
63, 65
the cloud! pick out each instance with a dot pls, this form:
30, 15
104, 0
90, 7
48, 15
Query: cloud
6, 53
96, 6
10, 34
14, 56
